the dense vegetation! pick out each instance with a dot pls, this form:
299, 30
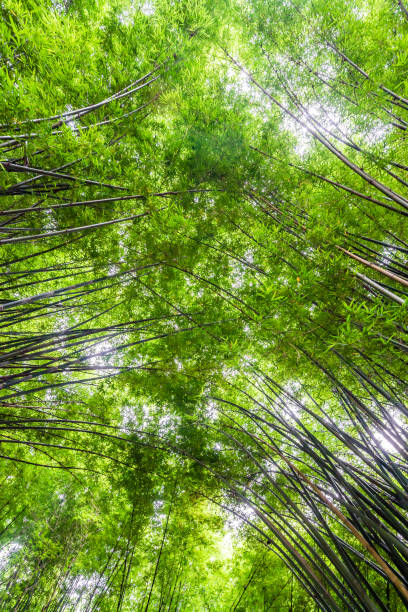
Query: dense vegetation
203, 318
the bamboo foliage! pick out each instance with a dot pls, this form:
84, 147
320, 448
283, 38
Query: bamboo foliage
203, 305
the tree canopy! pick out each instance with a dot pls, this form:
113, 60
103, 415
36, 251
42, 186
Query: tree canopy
203, 305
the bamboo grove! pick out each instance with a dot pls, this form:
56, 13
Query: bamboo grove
203, 318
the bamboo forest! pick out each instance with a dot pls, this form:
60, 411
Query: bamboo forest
203, 305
